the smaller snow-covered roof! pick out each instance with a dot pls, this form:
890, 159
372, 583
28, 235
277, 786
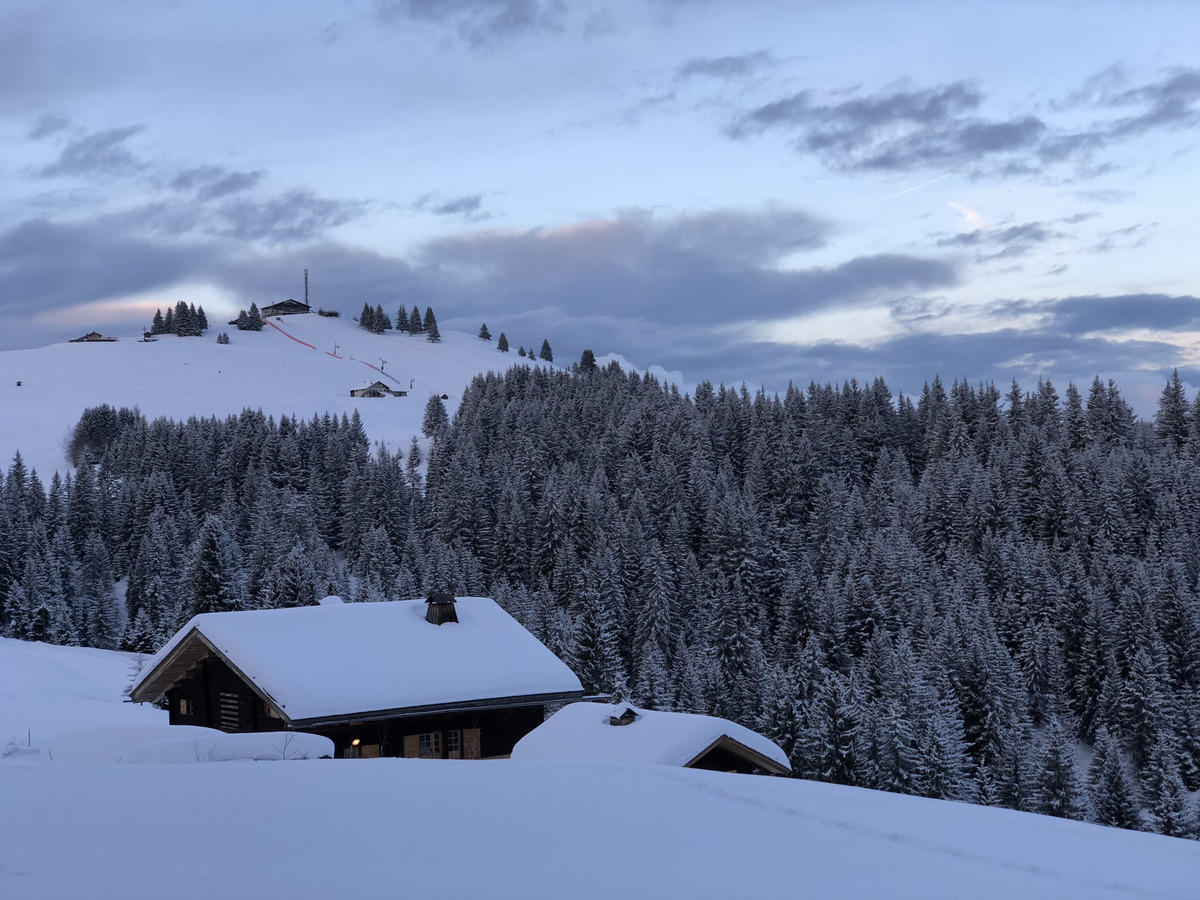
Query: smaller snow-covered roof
317, 663
584, 731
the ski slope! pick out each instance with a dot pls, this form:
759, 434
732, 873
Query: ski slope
384, 828
289, 368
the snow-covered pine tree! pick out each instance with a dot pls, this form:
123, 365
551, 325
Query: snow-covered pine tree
1112, 791
436, 420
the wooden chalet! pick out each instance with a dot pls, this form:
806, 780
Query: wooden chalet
286, 308
92, 337
377, 389
629, 734
445, 678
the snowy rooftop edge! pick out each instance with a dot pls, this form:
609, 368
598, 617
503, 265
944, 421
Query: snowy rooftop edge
582, 731
334, 660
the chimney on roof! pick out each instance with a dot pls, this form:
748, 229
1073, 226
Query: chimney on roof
439, 608
625, 718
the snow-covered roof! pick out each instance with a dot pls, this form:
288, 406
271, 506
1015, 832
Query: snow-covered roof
329, 662
583, 731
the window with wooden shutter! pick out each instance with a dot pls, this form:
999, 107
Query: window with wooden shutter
229, 712
411, 746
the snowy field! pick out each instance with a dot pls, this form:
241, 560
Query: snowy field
288, 372
519, 829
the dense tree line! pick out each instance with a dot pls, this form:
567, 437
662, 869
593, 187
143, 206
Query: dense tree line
940, 595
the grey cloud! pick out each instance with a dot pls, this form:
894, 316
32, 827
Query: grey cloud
99, 154
46, 265
213, 182
1169, 103
902, 129
717, 267
295, 215
1016, 240
943, 126
726, 67
47, 125
638, 242
1130, 237
1116, 313
477, 22
469, 206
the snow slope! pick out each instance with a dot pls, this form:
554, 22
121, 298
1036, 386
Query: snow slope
515, 828
45, 691
287, 368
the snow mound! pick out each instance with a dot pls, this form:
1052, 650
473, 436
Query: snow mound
47, 690
221, 747
101, 746
582, 731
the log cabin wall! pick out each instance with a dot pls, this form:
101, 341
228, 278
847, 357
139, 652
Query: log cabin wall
482, 734
720, 759
213, 695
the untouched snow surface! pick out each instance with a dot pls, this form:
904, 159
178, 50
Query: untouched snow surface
316, 661
386, 828
582, 731
288, 372
545, 829
45, 691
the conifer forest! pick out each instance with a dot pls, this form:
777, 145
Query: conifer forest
974, 594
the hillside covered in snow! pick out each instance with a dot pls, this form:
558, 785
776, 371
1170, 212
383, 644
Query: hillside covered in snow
498, 829
289, 368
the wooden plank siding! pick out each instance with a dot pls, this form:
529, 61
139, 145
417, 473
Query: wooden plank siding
213, 695
482, 735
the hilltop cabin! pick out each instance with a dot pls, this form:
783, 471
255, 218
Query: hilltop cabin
285, 308
628, 734
378, 389
439, 678
92, 337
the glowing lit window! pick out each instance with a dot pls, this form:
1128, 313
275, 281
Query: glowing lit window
186, 707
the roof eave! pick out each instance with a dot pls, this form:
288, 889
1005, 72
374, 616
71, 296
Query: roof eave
404, 712
761, 760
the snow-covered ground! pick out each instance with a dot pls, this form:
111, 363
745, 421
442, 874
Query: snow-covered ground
283, 372
45, 691
514, 828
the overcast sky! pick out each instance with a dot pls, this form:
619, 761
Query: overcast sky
739, 191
